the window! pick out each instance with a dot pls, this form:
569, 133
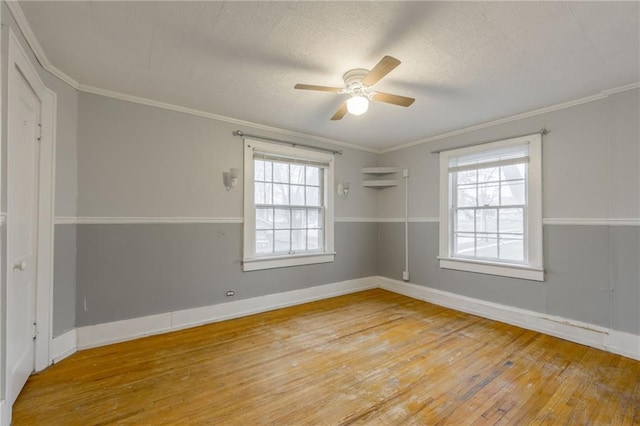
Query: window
491, 208
288, 216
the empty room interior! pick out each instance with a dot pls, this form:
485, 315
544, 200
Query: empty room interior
319, 213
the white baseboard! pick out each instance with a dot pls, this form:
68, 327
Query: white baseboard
575, 331
119, 331
625, 344
63, 346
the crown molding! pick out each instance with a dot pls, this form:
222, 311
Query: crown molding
34, 44
163, 105
602, 95
27, 32
38, 51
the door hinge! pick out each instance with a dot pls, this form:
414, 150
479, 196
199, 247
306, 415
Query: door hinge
35, 331
39, 132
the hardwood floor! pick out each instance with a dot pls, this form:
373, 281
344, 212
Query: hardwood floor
367, 358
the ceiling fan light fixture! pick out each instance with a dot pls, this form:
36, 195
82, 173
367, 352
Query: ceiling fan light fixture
357, 105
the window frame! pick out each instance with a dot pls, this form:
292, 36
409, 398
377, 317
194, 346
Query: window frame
532, 268
252, 261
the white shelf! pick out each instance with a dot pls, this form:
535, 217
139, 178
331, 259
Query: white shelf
380, 170
378, 183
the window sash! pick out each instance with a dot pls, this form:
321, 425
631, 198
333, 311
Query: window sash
307, 231
455, 210
311, 233
254, 149
499, 235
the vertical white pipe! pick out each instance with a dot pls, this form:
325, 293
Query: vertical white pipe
405, 175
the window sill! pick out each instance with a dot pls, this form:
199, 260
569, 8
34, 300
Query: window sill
258, 263
492, 268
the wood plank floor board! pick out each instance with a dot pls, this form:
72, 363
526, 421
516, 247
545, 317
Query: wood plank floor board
372, 357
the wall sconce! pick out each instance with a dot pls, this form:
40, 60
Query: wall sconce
343, 190
230, 178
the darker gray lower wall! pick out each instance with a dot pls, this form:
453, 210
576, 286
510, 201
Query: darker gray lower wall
133, 270
592, 272
64, 279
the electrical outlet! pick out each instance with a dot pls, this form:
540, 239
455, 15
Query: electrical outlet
230, 293
405, 275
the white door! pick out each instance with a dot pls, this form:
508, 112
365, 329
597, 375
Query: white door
22, 208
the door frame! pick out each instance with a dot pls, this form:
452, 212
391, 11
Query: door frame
19, 63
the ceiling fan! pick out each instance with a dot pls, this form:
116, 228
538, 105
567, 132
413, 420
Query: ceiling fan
358, 84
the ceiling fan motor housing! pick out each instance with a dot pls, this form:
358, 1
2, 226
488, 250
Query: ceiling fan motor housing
354, 76
353, 82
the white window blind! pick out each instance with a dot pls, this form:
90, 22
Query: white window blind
494, 158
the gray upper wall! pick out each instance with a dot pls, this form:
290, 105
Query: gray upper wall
591, 162
142, 161
591, 169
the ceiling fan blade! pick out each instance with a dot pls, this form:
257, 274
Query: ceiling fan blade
318, 88
340, 112
393, 99
382, 68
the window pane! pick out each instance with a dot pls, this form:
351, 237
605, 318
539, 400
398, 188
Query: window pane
297, 174
468, 176
465, 220
259, 193
492, 174
314, 220
298, 239
264, 242
281, 172
299, 218
488, 194
487, 220
511, 172
512, 220
268, 193
280, 193
512, 193
487, 246
282, 219
268, 171
512, 248
282, 241
313, 176
258, 169
313, 239
464, 245
313, 196
467, 196
297, 195
264, 218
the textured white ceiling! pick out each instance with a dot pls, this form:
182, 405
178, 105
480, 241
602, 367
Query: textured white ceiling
465, 62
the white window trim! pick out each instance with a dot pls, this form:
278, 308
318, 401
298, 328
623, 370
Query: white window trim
253, 262
534, 269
